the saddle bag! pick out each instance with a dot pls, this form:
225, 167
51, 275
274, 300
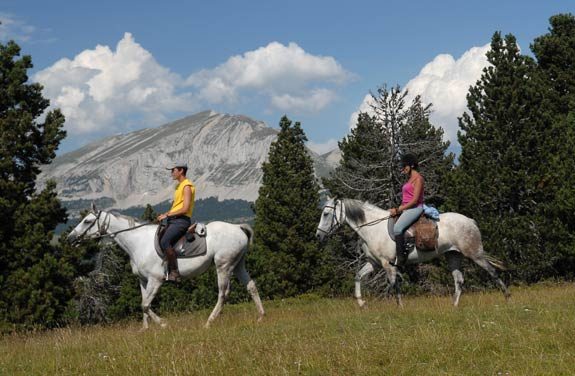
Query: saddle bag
425, 234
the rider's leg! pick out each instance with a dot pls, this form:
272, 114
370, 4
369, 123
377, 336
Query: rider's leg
177, 227
406, 219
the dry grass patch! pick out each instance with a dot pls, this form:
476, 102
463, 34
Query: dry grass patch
531, 334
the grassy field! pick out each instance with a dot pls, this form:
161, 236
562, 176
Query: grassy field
532, 334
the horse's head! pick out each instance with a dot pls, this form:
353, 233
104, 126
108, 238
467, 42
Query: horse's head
92, 226
331, 217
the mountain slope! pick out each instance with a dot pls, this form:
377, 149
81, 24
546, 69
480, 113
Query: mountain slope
224, 154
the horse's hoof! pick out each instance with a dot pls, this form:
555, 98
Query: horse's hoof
261, 318
143, 329
362, 304
163, 325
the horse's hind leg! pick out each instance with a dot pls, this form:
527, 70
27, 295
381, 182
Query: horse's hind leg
493, 272
454, 261
223, 291
244, 277
391, 273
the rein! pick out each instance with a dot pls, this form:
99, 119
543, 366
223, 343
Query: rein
374, 222
335, 221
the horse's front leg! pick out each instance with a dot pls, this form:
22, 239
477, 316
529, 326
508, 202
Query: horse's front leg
149, 290
366, 269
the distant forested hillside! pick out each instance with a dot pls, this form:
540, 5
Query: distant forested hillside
206, 210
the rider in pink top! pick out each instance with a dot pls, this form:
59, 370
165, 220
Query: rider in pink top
411, 206
408, 194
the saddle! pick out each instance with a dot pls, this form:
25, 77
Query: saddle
191, 244
423, 233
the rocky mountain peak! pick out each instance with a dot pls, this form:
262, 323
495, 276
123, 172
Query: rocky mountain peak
224, 153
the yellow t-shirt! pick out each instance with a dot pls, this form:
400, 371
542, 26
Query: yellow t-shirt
179, 197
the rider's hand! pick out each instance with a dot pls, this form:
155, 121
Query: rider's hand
162, 216
393, 212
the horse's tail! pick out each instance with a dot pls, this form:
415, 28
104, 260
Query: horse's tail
249, 231
496, 262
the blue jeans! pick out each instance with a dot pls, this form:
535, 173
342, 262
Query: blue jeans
406, 219
177, 227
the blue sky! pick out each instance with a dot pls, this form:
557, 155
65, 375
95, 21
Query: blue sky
118, 66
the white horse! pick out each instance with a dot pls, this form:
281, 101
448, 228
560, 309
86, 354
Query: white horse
458, 236
227, 245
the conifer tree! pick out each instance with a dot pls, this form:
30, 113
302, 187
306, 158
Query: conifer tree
35, 277
505, 139
555, 54
286, 257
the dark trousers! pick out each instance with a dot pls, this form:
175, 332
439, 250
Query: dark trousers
177, 227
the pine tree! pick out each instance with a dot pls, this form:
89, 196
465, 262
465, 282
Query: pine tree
149, 213
505, 138
35, 277
555, 53
286, 255
362, 168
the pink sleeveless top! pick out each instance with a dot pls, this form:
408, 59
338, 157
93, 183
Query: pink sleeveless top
408, 193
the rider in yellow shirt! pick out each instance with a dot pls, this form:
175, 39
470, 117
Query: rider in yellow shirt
179, 217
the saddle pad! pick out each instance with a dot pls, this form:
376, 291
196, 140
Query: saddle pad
184, 248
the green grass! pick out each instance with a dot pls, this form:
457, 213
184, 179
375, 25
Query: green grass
532, 334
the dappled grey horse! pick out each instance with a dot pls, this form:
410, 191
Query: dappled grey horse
226, 243
458, 236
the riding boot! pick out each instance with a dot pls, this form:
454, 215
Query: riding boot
173, 272
400, 251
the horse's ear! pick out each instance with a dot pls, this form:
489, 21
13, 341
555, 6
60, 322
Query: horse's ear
93, 207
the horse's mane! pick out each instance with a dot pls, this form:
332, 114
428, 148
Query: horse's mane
355, 209
137, 221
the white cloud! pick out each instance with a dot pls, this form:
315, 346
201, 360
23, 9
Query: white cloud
100, 90
284, 74
444, 82
315, 102
322, 147
14, 28
103, 91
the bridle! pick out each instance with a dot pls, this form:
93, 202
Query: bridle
103, 228
334, 221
